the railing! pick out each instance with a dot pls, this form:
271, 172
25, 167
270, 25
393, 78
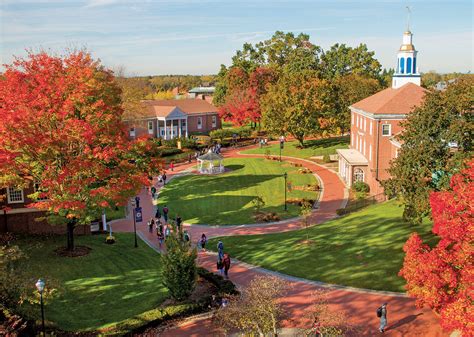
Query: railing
355, 205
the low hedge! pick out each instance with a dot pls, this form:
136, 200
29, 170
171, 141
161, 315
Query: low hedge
224, 286
242, 132
360, 186
169, 151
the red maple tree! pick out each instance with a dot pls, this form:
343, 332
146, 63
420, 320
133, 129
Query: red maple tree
243, 103
61, 127
443, 277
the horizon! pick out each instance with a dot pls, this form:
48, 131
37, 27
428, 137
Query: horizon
189, 37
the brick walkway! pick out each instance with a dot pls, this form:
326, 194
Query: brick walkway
404, 319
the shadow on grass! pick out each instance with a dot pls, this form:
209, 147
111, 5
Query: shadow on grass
326, 142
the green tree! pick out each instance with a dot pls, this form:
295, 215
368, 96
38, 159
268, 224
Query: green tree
179, 266
294, 104
305, 212
347, 90
341, 60
437, 138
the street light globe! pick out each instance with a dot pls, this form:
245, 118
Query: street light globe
40, 285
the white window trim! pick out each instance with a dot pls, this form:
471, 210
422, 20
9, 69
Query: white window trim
152, 129
131, 132
370, 152
214, 121
389, 130
352, 119
365, 124
199, 122
15, 201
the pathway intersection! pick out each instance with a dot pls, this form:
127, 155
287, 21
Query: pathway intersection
359, 305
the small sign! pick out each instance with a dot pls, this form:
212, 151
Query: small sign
138, 214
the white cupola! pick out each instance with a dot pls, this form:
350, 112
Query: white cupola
406, 70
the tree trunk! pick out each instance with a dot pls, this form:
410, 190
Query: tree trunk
70, 234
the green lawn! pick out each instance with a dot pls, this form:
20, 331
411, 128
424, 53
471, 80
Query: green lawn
312, 148
111, 284
114, 214
227, 198
363, 249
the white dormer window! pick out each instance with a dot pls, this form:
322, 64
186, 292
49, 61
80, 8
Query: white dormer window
132, 132
14, 196
386, 130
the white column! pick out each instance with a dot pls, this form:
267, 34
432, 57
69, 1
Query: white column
186, 127
157, 128
180, 123
166, 133
172, 128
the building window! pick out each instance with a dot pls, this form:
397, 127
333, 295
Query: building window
132, 132
37, 188
14, 196
150, 127
214, 121
365, 124
386, 130
370, 128
358, 174
402, 65
352, 119
199, 124
414, 65
409, 65
183, 122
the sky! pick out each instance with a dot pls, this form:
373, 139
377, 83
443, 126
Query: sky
153, 37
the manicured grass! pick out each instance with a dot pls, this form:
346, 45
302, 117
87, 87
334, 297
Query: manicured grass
363, 249
226, 199
111, 284
312, 148
113, 214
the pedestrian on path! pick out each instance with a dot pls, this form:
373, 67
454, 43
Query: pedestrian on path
151, 224
159, 234
203, 241
179, 221
158, 213
172, 166
167, 232
382, 313
153, 191
165, 213
220, 264
190, 157
186, 236
163, 177
226, 262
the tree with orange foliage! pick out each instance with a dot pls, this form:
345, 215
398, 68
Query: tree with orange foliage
61, 127
443, 277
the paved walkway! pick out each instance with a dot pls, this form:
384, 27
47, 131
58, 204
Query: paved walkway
404, 319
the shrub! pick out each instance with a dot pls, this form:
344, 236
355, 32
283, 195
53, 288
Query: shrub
266, 217
179, 267
169, 151
224, 286
360, 186
326, 158
242, 132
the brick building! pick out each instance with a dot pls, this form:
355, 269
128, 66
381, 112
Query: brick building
169, 119
375, 121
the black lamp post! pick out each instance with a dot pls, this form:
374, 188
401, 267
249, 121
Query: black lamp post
285, 175
282, 144
40, 286
134, 204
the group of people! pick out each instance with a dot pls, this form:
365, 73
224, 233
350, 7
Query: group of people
262, 142
223, 260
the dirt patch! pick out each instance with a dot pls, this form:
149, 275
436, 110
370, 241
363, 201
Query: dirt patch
77, 252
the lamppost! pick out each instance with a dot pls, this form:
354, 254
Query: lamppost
134, 204
282, 144
40, 286
285, 175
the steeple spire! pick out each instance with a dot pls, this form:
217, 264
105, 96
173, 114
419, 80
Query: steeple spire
406, 70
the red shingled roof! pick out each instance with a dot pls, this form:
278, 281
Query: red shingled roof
188, 106
393, 101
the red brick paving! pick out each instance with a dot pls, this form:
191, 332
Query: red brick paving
404, 319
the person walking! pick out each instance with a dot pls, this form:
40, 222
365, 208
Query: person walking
163, 177
179, 221
190, 157
220, 257
158, 213
151, 224
167, 232
165, 213
172, 166
160, 235
382, 313
186, 236
226, 261
153, 191
203, 241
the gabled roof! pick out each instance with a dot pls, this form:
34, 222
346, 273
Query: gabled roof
391, 101
188, 106
352, 156
162, 111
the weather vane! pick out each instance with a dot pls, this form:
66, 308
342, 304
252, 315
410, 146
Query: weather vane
408, 18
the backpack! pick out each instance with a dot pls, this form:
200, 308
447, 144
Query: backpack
379, 312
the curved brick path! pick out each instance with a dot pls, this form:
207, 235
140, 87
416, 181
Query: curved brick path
404, 319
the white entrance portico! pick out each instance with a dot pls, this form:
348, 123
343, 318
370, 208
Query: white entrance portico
172, 125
